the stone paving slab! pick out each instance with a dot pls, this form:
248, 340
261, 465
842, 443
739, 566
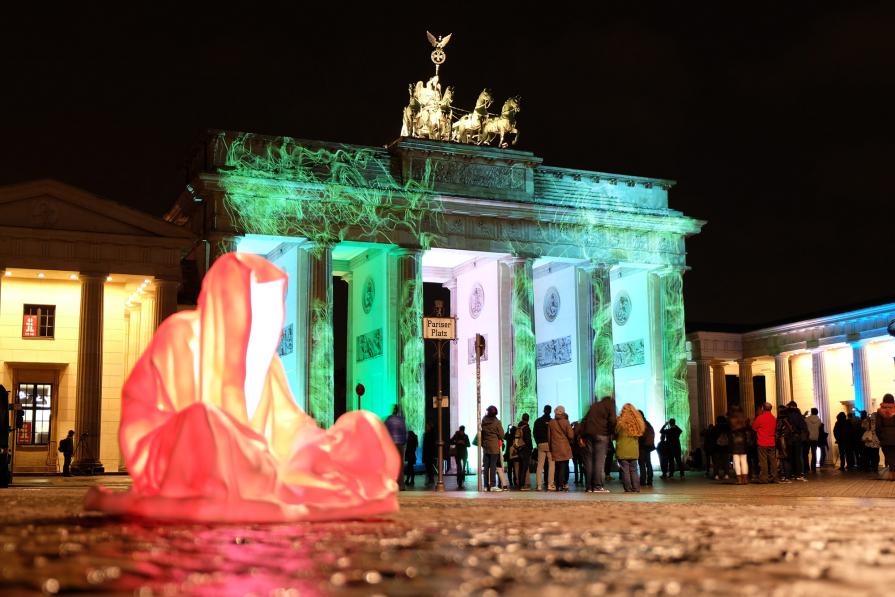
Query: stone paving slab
685, 538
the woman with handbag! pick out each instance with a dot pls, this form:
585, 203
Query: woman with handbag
561, 438
870, 442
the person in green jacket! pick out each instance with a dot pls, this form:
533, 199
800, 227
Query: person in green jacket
628, 429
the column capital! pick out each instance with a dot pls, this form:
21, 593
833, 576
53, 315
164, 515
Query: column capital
517, 259
450, 284
403, 251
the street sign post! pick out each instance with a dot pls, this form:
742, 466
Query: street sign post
441, 329
479, 351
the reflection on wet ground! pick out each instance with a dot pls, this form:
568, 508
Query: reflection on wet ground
444, 544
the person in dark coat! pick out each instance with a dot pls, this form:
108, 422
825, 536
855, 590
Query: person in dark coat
752, 455
647, 445
721, 448
460, 441
885, 431
67, 447
397, 429
739, 447
671, 439
543, 474
523, 446
510, 456
598, 426
793, 430
413, 443
708, 435
842, 436
561, 438
491, 438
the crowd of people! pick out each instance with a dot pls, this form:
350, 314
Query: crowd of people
769, 449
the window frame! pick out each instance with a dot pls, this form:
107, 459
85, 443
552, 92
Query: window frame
46, 321
33, 408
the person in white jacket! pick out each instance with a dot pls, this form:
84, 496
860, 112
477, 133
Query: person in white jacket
815, 426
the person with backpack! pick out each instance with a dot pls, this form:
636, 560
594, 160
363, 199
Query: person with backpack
460, 441
522, 447
67, 447
542, 438
510, 456
647, 445
793, 431
815, 427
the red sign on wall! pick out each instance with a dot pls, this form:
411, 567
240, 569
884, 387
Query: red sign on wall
24, 435
29, 326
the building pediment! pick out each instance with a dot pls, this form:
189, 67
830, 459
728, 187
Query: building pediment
48, 205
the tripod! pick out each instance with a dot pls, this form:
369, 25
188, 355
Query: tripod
79, 454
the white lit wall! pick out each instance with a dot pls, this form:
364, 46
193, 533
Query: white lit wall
487, 323
558, 384
881, 360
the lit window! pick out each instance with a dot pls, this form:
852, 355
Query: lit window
35, 399
39, 321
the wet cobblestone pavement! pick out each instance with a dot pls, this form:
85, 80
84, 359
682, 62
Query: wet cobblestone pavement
701, 538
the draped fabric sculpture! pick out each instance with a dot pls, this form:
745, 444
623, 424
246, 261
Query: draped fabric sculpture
210, 431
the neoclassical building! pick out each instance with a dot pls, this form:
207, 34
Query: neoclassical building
84, 283
838, 363
573, 277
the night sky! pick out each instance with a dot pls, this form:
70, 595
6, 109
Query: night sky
776, 122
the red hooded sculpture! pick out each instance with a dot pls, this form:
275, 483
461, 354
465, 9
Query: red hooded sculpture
210, 431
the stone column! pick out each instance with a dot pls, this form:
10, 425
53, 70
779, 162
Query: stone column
88, 413
704, 387
674, 352
320, 335
719, 390
523, 349
134, 325
747, 391
147, 320
861, 376
601, 332
411, 350
781, 375
165, 300
821, 400
454, 387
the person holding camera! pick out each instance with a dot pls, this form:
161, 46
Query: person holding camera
671, 440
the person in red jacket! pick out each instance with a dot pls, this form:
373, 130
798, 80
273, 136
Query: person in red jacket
765, 426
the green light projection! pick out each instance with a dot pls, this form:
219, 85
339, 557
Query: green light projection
525, 390
674, 352
283, 188
601, 324
320, 370
410, 341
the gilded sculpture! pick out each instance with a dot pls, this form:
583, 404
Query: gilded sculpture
429, 113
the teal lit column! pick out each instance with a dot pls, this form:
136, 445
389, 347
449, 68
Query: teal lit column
674, 352
861, 375
320, 334
411, 355
601, 326
524, 389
